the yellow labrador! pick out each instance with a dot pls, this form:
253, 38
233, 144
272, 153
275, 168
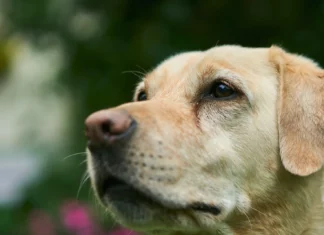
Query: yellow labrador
225, 141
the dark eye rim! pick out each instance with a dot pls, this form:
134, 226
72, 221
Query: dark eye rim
208, 94
140, 96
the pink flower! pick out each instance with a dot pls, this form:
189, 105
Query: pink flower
77, 219
75, 215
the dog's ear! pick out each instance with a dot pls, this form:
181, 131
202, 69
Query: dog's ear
300, 112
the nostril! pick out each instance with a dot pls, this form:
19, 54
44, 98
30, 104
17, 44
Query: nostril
108, 126
105, 127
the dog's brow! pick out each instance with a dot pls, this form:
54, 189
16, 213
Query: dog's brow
140, 86
206, 72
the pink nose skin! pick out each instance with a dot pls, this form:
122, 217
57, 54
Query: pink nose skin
105, 127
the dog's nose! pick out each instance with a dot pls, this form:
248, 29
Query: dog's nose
106, 127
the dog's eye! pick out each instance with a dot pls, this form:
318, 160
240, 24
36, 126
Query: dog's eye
142, 96
222, 90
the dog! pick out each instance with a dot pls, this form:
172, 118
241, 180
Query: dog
225, 141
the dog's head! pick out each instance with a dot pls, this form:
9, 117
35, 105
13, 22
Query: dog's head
206, 137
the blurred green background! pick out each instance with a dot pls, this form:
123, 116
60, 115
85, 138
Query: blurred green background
60, 60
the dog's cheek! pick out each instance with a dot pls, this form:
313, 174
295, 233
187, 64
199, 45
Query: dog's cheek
222, 114
245, 145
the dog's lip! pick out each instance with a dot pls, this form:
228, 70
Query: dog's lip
114, 188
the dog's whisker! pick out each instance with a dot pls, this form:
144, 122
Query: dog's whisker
258, 211
141, 68
138, 74
84, 178
74, 154
83, 162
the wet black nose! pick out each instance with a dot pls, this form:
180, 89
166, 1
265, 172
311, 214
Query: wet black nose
107, 127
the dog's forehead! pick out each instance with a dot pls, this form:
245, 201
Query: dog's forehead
171, 71
177, 64
227, 57
187, 69
237, 58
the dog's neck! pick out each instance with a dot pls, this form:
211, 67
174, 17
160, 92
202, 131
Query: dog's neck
279, 214
295, 207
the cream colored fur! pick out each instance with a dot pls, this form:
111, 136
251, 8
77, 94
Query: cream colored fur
259, 157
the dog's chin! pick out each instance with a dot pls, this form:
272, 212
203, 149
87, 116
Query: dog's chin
137, 210
130, 206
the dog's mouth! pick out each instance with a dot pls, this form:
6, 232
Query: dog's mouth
118, 190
